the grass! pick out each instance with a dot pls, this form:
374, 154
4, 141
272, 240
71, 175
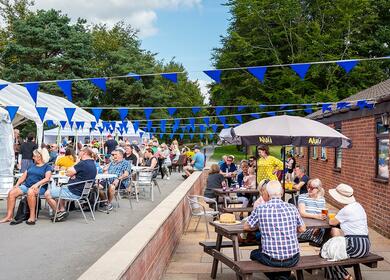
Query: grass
238, 154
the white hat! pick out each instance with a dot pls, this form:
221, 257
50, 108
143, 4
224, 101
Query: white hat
343, 194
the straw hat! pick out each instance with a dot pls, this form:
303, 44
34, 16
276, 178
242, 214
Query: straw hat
343, 194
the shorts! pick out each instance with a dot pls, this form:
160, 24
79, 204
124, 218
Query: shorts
65, 193
24, 189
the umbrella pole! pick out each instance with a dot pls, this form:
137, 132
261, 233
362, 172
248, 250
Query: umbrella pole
284, 168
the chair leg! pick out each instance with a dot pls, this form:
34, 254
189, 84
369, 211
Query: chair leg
136, 192
55, 213
207, 226
188, 224
36, 207
197, 224
90, 209
131, 204
82, 211
152, 191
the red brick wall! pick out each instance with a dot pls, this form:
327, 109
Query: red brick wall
358, 169
152, 261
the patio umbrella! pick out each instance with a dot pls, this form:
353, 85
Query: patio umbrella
226, 137
290, 130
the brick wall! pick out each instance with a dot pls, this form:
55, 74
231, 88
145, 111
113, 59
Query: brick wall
358, 169
154, 258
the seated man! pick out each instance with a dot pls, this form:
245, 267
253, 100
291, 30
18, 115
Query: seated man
300, 183
197, 163
120, 167
82, 171
278, 223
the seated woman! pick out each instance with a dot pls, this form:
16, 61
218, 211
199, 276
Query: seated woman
37, 175
353, 223
263, 197
310, 205
66, 161
215, 180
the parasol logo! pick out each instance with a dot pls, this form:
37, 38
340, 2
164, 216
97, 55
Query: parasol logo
314, 141
265, 140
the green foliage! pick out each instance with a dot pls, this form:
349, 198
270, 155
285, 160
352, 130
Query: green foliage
267, 32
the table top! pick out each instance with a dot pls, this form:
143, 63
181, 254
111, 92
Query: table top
100, 176
239, 228
291, 191
239, 190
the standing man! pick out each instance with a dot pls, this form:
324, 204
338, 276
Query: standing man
26, 149
278, 223
83, 171
110, 145
197, 163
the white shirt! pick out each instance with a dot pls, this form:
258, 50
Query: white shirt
353, 219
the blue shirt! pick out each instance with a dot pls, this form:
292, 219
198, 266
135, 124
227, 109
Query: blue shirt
35, 174
118, 168
199, 161
228, 168
85, 170
277, 222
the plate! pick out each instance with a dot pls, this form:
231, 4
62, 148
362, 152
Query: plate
228, 224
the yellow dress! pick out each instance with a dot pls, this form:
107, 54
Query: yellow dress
65, 162
266, 167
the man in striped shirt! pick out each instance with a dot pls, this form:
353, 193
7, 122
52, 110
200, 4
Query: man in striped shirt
278, 223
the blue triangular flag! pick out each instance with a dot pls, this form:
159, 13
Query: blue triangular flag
219, 109
195, 110
148, 112
177, 123
174, 128
222, 119
192, 122
100, 83
97, 112
134, 76
171, 136
343, 105
258, 72
66, 87
240, 108
262, 106
202, 128
3, 86
161, 135
63, 124
12, 111
135, 125
123, 113
211, 136
93, 125
326, 107
141, 133
106, 124
206, 120
347, 65
162, 125
214, 74
271, 113
289, 111
113, 124
283, 106
120, 129
149, 125
308, 108
71, 124
69, 113
111, 130
41, 112
32, 89
101, 129
170, 76
364, 104
239, 118
171, 111
214, 127
255, 115
181, 136
191, 136
301, 69
183, 128
80, 125
49, 123
201, 136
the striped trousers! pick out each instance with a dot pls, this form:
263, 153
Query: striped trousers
357, 246
309, 235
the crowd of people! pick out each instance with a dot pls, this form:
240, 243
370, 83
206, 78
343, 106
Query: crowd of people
37, 165
278, 224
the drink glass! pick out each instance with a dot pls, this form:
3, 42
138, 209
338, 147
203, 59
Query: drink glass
331, 215
62, 173
324, 212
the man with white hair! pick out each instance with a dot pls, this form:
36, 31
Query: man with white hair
278, 223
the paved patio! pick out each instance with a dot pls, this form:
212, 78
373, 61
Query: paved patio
189, 262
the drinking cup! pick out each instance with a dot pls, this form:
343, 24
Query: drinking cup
331, 215
324, 212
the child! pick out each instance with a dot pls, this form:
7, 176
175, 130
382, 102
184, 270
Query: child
250, 179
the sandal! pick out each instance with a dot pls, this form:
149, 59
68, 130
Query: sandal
349, 277
30, 222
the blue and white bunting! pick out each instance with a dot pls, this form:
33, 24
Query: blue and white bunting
80, 125
41, 112
238, 118
66, 87
134, 76
347, 65
308, 108
343, 105
63, 124
241, 108
97, 112
195, 110
148, 112
12, 111
101, 129
326, 107
123, 113
258, 72
32, 89
181, 136
162, 125
271, 113
171, 111
69, 113
100, 83
214, 127
170, 76
3, 86
206, 120
93, 125
255, 115
301, 69
219, 109
136, 125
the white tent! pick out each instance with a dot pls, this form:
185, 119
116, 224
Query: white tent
16, 95
50, 136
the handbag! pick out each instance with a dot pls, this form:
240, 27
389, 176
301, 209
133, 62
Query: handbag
23, 212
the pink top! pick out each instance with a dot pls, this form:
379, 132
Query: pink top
250, 181
258, 202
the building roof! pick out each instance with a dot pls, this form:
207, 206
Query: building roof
377, 93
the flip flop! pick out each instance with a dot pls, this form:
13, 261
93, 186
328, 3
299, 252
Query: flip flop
30, 222
5, 221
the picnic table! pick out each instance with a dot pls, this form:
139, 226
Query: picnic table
232, 232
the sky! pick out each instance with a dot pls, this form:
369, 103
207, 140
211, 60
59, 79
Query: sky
184, 30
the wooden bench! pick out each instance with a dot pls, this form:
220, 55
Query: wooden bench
235, 209
208, 246
245, 269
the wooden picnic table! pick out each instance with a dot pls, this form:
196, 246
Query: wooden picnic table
232, 231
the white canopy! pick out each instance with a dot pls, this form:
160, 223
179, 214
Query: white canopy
16, 95
7, 145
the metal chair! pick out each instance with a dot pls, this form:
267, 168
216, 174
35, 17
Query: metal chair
144, 178
198, 210
82, 199
126, 191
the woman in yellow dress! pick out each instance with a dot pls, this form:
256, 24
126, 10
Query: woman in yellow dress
66, 161
267, 166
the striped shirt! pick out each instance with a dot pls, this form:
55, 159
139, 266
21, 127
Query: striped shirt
313, 206
278, 222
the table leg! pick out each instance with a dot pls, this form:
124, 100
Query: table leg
236, 252
215, 261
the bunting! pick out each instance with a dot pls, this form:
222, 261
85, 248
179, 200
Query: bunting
162, 125
123, 113
93, 125
32, 89
347, 65
3, 86
214, 74
148, 112
97, 112
41, 112
195, 110
258, 72
171, 111
206, 120
134, 76
63, 124
326, 107
170, 76
135, 125
66, 87
101, 129
12, 111
69, 113
80, 125
300, 69
219, 109
99, 83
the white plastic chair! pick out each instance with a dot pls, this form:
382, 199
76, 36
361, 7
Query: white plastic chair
198, 210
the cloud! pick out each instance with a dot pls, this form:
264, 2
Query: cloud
204, 90
141, 15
